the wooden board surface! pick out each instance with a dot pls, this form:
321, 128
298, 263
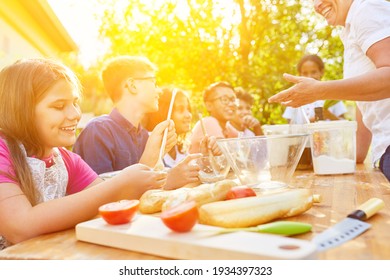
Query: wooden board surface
147, 234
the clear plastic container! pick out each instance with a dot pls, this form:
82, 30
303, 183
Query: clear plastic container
305, 162
333, 146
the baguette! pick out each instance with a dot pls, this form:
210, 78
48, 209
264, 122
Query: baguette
202, 194
253, 211
152, 200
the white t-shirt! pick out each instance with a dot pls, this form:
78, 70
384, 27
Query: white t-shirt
295, 115
170, 162
241, 133
368, 22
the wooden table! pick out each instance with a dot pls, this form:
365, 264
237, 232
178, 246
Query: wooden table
341, 194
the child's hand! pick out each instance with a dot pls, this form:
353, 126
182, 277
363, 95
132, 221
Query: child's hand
250, 121
171, 137
152, 148
209, 144
143, 178
184, 173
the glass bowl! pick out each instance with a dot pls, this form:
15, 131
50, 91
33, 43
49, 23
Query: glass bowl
212, 168
264, 162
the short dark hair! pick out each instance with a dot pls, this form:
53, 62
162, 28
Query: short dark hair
242, 94
211, 89
310, 57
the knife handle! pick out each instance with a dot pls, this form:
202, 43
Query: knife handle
367, 209
286, 228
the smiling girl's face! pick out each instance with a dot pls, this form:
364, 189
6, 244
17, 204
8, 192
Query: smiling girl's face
181, 114
57, 115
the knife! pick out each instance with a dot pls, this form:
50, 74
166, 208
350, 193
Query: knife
350, 227
286, 228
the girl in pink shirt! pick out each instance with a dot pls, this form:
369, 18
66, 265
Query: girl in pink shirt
45, 188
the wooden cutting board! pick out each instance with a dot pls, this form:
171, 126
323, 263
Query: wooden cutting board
147, 234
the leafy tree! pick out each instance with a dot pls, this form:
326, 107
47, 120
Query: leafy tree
249, 43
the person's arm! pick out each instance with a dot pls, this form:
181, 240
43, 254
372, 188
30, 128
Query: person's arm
363, 138
328, 115
371, 86
152, 149
253, 124
212, 128
338, 109
209, 145
185, 172
20, 220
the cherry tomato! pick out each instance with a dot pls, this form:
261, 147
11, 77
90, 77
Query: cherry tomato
120, 212
182, 217
240, 192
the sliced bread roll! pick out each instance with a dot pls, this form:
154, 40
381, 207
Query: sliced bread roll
202, 194
253, 211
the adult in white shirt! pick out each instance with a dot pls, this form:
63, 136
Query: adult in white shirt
366, 39
312, 66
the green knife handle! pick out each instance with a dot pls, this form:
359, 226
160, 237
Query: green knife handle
285, 228
367, 209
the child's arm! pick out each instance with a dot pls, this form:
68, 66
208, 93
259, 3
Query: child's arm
152, 149
252, 123
183, 173
20, 220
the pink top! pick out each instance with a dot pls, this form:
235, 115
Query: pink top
212, 129
79, 173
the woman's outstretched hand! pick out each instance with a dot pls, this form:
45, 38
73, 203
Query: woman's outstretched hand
305, 91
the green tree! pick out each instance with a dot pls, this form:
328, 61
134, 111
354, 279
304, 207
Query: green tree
249, 43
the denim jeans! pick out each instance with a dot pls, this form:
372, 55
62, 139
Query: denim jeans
384, 164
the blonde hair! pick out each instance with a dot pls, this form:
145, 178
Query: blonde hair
22, 86
121, 68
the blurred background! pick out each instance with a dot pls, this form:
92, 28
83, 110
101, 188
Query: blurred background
249, 43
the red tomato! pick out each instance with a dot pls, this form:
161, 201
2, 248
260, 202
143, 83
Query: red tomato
240, 192
120, 212
182, 217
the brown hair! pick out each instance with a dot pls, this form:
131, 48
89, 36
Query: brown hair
242, 94
22, 86
120, 68
313, 58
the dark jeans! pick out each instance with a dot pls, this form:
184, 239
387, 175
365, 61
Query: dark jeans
384, 164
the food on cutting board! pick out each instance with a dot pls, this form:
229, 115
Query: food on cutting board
182, 217
202, 194
240, 192
120, 212
154, 201
253, 211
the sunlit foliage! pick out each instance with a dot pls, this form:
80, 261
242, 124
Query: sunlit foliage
249, 43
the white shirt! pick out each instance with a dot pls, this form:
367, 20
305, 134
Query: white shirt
241, 133
170, 162
296, 117
368, 22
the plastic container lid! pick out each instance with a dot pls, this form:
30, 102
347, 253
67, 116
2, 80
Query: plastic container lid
329, 125
273, 129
